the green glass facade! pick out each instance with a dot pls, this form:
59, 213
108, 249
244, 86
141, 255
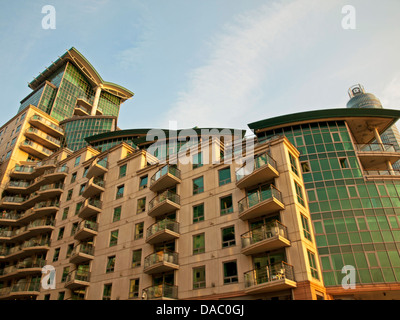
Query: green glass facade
356, 222
76, 130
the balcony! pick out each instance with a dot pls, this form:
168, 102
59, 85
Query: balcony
52, 175
376, 155
268, 237
81, 110
163, 230
51, 190
12, 202
264, 201
20, 234
83, 252
86, 229
271, 278
94, 187
89, 208
24, 289
40, 226
9, 218
35, 149
18, 186
29, 266
165, 202
46, 126
31, 199
23, 172
46, 207
35, 245
77, 279
263, 169
42, 138
42, 166
97, 168
167, 177
161, 292
162, 261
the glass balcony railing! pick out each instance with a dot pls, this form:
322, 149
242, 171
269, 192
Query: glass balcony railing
37, 147
18, 184
14, 199
103, 163
43, 135
95, 203
163, 171
163, 225
62, 169
78, 275
47, 204
46, 163
83, 248
31, 263
6, 233
52, 186
393, 172
36, 243
258, 197
27, 286
161, 291
24, 169
268, 274
266, 231
86, 224
375, 147
41, 223
47, 122
162, 197
260, 161
10, 215
98, 181
161, 256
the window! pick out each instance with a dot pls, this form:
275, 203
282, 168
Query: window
74, 227
77, 161
85, 170
120, 192
69, 250
69, 194
141, 205
13, 141
198, 213
226, 204
143, 183
60, 233
305, 166
299, 192
139, 227
122, 171
136, 258
198, 185
110, 264
114, 238
73, 177
228, 237
61, 295
199, 277
313, 265
107, 292
8, 155
82, 188
306, 227
56, 254
343, 163
65, 213
224, 176
293, 164
134, 288
18, 129
198, 243
197, 160
336, 137
65, 274
117, 214
230, 272
78, 207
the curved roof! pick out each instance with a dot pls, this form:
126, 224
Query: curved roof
74, 56
360, 121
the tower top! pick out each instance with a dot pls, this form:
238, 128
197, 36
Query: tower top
355, 90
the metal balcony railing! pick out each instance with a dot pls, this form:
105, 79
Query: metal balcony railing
43, 135
37, 147
266, 231
259, 162
161, 291
268, 273
163, 171
258, 197
162, 225
164, 196
47, 122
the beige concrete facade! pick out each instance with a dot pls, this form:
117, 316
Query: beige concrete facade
264, 259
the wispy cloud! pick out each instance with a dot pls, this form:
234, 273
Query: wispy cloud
229, 85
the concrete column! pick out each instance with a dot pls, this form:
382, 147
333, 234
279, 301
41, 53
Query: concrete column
377, 136
96, 100
390, 167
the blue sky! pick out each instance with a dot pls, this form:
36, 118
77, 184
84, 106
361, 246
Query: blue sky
209, 63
